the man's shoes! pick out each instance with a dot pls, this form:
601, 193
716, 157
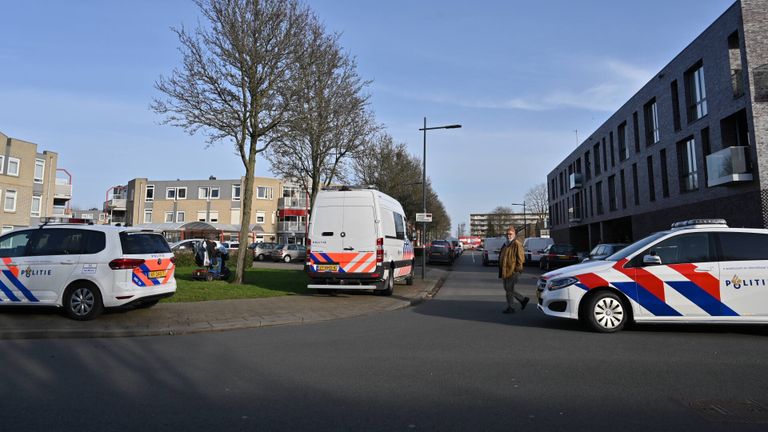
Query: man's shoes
524, 303
508, 310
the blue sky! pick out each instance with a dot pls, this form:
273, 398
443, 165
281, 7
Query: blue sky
77, 78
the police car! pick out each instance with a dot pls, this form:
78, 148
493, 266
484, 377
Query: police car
698, 271
85, 268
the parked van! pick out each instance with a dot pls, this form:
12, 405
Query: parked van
358, 240
491, 249
534, 248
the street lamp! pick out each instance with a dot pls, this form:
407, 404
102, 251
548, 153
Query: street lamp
525, 220
424, 190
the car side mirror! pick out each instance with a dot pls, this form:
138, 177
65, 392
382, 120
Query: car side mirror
651, 260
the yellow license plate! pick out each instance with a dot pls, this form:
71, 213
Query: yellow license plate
328, 267
157, 274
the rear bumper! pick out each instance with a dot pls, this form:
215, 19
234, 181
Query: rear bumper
348, 280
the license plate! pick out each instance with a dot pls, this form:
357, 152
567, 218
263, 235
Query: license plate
328, 267
562, 257
157, 274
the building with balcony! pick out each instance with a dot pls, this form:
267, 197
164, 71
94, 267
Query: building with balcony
292, 215
196, 208
114, 209
692, 143
496, 224
32, 187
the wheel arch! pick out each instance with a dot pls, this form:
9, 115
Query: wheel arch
79, 282
595, 291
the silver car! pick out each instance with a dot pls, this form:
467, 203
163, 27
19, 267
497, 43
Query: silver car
288, 253
262, 250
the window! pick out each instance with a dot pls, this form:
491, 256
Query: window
37, 203
263, 192
612, 193
208, 192
651, 181
651, 114
13, 166
140, 243
734, 57
623, 191
39, 170
234, 217
596, 153
613, 152
635, 184
587, 166
147, 216
599, 197
675, 105
60, 241
605, 156
181, 193
150, 193
664, 179
636, 131
10, 201
399, 226
180, 217
168, 217
684, 248
235, 192
201, 216
2, 163
741, 246
622, 137
213, 216
686, 158
696, 92
260, 217
15, 244
176, 193
170, 193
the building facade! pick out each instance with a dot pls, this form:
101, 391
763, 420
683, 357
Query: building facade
692, 143
32, 187
194, 208
496, 224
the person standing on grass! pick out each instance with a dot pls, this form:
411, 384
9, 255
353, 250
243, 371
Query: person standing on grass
511, 259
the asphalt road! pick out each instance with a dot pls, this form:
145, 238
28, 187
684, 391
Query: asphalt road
452, 363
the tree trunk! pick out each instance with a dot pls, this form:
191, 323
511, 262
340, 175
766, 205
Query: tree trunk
245, 215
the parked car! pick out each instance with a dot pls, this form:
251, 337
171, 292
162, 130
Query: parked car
231, 245
558, 255
491, 249
262, 250
185, 245
85, 268
440, 251
603, 250
534, 248
288, 253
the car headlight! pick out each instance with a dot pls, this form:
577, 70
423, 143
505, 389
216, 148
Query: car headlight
556, 284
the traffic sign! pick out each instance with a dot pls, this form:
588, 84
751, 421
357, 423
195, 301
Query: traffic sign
423, 217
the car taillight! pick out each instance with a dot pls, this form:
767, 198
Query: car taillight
173, 260
125, 263
379, 250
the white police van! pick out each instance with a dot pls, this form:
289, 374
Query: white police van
699, 271
85, 268
358, 240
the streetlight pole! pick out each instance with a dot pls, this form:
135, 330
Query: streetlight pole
424, 191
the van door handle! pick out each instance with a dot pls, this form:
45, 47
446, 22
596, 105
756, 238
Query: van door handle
67, 262
349, 248
703, 269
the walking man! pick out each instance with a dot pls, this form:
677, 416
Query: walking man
511, 259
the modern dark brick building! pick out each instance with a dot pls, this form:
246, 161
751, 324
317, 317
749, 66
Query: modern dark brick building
692, 143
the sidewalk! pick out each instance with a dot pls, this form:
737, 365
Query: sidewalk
185, 318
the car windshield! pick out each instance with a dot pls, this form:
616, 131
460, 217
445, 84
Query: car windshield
636, 246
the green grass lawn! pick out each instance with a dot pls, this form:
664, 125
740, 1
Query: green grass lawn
259, 283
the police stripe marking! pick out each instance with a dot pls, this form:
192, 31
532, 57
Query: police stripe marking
702, 298
17, 283
11, 296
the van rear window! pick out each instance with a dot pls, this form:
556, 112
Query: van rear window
135, 243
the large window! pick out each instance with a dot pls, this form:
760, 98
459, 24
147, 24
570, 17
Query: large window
147, 216
14, 165
651, 180
684, 248
599, 197
168, 217
2, 164
664, 179
696, 93
235, 192
686, 157
622, 137
651, 113
264, 192
176, 193
150, 195
741, 246
39, 170
208, 192
612, 193
180, 217
10, 201
596, 153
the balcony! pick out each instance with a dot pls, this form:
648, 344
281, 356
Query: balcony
116, 204
60, 211
729, 165
292, 202
291, 227
63, 189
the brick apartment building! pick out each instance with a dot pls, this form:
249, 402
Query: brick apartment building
692, 143
32, 187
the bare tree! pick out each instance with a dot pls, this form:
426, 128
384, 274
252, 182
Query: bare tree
237, 80
498, 221
537, 200
329, 121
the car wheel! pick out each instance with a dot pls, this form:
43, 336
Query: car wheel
409, 279
287, 258
209, 276
389, 286
606, 313
260, 257
83, 303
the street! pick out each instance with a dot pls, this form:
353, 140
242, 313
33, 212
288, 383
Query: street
451, 363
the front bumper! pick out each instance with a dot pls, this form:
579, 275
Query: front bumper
562, 303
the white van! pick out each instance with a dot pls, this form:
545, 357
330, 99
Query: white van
357, 240
534, 248
491, 249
